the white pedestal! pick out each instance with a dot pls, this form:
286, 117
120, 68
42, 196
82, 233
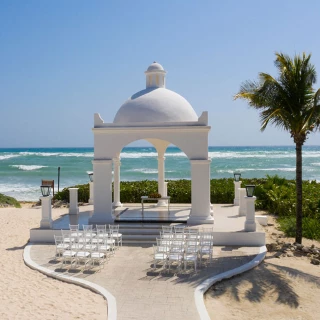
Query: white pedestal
237, 185
73, 205
46, 220
242, 202
90, 192
250, 223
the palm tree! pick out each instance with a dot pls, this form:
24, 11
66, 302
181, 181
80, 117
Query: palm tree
290, 103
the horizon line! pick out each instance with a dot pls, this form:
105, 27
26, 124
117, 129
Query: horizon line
173, 146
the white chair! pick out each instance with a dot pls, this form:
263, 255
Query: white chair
101, 230
163, 245
68, 254
88, 230
60, 245
176, 253
106, 248
191, 253
97, 256
159, 256
74, 229
179, 231
206, 246
115, 234
66, 234
192, 233
82, 256
111, 242
167, 232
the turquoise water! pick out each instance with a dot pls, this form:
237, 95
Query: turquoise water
21, 170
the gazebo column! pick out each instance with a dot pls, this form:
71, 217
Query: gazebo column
200, 192
161, 186
102, 201
116, 182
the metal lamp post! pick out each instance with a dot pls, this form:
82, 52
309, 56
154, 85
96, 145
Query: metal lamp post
237, 185
46, 221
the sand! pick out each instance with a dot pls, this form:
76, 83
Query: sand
286, 288
28, 294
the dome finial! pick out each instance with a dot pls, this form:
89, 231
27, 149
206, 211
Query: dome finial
155, 76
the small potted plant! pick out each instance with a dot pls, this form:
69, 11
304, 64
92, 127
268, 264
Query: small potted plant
154, 195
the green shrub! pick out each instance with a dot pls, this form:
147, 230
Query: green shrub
310, 227
8, 201
274, 194
83, 193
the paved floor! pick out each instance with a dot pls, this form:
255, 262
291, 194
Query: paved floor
142, 292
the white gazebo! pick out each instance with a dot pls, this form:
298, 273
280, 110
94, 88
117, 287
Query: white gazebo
162, 117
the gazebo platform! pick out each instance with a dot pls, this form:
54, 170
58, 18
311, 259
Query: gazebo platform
141, 228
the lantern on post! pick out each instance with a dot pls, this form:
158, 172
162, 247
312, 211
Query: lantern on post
45, 190
237, 176
250, 190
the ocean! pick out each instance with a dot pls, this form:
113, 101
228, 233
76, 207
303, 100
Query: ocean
21, 170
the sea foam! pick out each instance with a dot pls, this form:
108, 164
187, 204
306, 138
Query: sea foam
27, 167
8, 156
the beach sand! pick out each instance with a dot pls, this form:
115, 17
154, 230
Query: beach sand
28, 294
285, 288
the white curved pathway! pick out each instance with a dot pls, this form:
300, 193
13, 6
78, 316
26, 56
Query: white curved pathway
135, 291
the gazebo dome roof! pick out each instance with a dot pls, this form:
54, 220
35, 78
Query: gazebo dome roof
155, 103
155, 66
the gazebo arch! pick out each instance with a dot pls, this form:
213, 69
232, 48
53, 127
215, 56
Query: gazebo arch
161, 117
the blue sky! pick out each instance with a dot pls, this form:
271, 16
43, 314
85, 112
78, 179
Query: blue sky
62, 61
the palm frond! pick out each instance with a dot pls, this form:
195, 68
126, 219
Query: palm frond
287, 102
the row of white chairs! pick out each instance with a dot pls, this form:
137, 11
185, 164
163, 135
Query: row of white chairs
87, 247
82, 251
181, 245
102, 230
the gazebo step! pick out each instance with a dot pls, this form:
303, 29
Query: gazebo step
155, 226
139, 242
139, 237
140, 231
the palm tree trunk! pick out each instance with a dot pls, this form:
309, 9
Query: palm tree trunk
298, 192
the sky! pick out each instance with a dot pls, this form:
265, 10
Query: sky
62, 61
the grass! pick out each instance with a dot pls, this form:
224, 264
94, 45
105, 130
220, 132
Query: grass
6, 201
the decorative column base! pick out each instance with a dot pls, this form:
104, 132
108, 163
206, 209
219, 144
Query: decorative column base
250, 223
162, 203
193, 220
46, 221
117, 204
